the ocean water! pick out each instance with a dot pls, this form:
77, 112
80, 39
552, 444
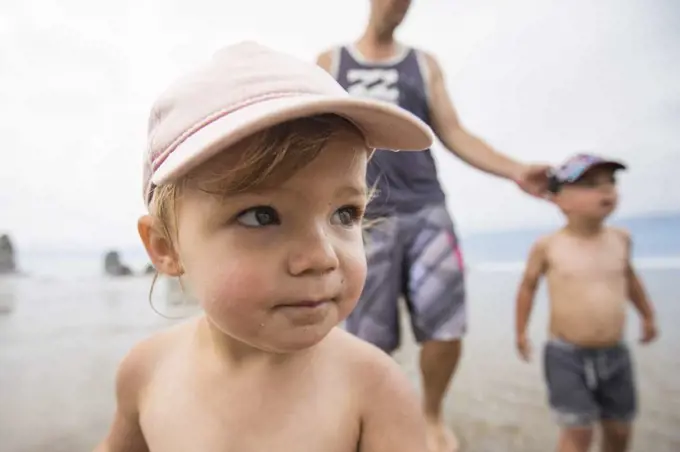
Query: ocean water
656, 243
654, 237
64, 328
63, 332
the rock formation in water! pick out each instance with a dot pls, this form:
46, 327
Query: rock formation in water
7, 255
150, 270
113, 266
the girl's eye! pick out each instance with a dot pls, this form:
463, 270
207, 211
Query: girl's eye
257, 217
347, 216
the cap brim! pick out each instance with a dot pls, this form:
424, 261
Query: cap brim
384, 126
611, 163
615, 165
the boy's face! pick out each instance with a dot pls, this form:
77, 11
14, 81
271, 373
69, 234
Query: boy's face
592, 196
278, 268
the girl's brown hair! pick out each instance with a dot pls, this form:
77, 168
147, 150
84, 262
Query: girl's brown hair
267, 158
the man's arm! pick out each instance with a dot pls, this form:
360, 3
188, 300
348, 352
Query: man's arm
536, 267
125, 434
392, 420
459, 140
638, 295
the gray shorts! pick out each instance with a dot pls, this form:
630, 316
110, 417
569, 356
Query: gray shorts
586, 385
415, 256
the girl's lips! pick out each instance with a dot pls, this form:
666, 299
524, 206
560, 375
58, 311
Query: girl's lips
305, 304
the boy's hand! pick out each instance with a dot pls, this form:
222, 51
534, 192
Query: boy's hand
649, 332
524, 347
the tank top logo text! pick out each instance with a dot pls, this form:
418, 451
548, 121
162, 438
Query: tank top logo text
379, 84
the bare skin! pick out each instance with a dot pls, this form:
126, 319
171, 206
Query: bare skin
590, 281
266, 368
439, 359
587, 286
173, 396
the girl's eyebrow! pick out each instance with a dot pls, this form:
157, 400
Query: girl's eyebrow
352, 190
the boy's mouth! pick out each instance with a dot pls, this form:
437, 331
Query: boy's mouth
607, 203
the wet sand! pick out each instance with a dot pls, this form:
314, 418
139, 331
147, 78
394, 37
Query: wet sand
62, 341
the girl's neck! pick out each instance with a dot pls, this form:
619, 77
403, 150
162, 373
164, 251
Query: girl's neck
236, 354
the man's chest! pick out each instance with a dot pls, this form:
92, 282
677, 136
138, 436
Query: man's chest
389, 84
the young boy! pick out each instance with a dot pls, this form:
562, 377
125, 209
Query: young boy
255, 185
590, 278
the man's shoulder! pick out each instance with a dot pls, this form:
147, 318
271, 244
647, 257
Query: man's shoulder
327, 53
429, 57
326, 58
425, 53
332, 50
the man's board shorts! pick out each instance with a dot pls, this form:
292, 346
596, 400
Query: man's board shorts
416, 256
586, 385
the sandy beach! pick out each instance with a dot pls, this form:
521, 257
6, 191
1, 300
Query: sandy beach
62, 340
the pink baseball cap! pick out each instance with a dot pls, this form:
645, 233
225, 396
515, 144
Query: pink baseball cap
248, 87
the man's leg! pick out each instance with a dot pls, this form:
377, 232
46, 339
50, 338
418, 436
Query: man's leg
436, 299
375, 319
438, 362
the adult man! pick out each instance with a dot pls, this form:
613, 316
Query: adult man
415, 253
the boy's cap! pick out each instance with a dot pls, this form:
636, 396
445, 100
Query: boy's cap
248, 87
573, 168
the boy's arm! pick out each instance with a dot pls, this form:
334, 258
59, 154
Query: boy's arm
535, 268
392, 420
638, 295
125, 434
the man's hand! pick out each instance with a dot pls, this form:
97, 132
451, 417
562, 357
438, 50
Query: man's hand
524, 347
649, 332
533, 179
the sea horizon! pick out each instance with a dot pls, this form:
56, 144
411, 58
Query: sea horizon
656, 245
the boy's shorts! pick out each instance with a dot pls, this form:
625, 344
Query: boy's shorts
417, 256
586, 385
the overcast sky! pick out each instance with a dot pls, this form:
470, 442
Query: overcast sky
537, 79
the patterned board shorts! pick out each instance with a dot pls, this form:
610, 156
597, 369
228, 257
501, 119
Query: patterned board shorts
416, 256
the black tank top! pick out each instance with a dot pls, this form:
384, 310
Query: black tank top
405, 181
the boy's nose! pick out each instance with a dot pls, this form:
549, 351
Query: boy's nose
313, 253
607, 187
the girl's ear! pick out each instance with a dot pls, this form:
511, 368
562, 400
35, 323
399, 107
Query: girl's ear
159, 246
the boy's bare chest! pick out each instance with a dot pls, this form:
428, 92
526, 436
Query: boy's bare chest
601, 261
292, 415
